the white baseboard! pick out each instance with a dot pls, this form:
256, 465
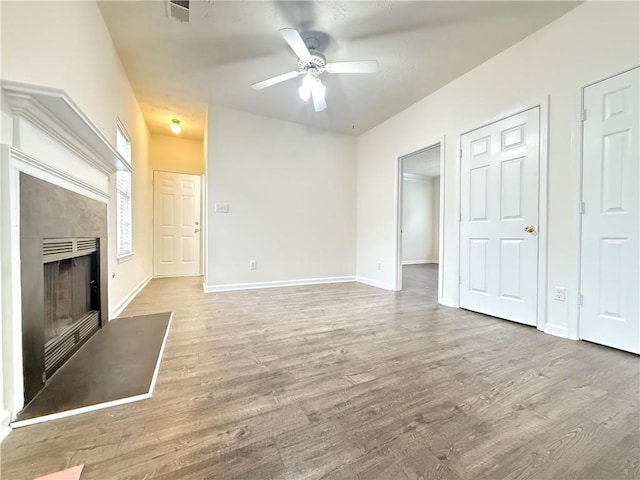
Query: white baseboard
556, 330
374, 283
448, 302
5, 429
157, 369
78, 411
418, 262
280, 283
180, 275
117, 310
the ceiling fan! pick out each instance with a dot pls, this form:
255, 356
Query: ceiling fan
312, 64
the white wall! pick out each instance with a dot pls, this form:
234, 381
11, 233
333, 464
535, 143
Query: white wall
290, 190
419, 220
66, 45
593, 41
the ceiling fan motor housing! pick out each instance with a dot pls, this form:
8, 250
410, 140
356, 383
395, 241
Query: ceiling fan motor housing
317, 64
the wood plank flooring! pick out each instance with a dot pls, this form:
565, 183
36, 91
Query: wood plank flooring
347, 381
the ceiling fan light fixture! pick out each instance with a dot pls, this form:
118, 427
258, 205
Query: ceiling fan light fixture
307, 86
310, 85
312, 64
175, 126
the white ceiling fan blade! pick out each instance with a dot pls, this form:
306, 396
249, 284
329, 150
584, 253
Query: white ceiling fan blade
319, 102
273, 80
295, 41
361, 66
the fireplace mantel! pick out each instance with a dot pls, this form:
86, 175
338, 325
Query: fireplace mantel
53, 140
53, 112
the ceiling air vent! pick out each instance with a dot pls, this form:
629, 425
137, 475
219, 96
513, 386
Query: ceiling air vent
179, 9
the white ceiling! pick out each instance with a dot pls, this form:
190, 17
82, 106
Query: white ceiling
425, 163
176, 68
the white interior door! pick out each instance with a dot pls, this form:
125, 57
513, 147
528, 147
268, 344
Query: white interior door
499, 218
610, 261
176, 224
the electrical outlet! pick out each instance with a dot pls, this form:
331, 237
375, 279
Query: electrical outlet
253, 265
379, 265
559, 294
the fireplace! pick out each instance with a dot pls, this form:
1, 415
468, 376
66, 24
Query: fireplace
71, 297
63, 276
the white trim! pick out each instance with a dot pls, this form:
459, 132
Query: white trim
543, 181
418, 262
556, 330
77, 411
374, 283
157, 369
5, 429
54, 113
124, 257
180, 275
543, 197
447, 302
399, 177
280, 283
100, 406
117, 310
83, 187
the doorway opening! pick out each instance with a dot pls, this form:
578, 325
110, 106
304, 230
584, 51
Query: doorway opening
419, 246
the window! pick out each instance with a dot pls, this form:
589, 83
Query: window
123, 195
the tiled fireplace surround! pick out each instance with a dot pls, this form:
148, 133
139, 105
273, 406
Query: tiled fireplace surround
68, 162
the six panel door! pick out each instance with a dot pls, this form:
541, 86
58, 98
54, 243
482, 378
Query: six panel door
609, 255
499, 218
176, 220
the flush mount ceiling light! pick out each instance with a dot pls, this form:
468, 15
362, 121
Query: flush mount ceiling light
312, 64
175, 126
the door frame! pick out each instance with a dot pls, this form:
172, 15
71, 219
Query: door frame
398, 215
541, 102
574, 328
202, 223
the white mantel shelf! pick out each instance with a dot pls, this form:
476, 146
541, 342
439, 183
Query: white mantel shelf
52, 111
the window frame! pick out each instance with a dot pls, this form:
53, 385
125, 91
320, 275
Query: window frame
124, 247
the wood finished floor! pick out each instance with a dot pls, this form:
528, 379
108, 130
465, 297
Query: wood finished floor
348, 381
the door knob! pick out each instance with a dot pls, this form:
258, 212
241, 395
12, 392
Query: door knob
196, 230
529, 229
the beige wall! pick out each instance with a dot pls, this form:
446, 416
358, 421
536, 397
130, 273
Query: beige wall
175, 154
591, 42
66, 45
